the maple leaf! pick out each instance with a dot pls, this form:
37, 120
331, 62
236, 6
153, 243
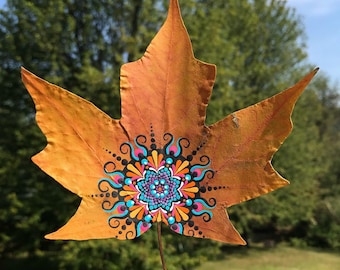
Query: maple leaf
160, 162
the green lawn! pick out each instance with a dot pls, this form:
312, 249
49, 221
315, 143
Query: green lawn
281, 258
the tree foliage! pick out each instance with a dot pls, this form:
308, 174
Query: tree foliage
258, 47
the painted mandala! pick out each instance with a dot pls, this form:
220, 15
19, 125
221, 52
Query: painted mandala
155, 185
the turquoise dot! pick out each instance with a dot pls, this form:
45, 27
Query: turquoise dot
152, 186
188, 177
153, 192
162, 181
166, 192
128, 181
171, 220
169, 160
166, 187
144, 161
130, 203
156, 182
148, 218
188, 202
162, 195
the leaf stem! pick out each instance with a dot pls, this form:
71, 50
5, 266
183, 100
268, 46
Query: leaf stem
159, 234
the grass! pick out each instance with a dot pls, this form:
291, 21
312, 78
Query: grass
280, 258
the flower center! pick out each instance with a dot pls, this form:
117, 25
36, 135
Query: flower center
159, 188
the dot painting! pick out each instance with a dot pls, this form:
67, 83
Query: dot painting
155, 185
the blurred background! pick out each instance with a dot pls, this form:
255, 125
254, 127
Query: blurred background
260, 48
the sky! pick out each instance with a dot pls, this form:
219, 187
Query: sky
321, 19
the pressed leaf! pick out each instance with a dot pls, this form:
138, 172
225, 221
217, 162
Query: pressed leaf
160, 162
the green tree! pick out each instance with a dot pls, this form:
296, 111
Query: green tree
256, 45
325, 229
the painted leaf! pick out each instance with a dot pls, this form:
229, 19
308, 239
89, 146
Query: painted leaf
160, 162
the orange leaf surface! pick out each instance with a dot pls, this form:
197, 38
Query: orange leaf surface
160, 162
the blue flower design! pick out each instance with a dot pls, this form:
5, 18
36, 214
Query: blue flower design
159, 188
